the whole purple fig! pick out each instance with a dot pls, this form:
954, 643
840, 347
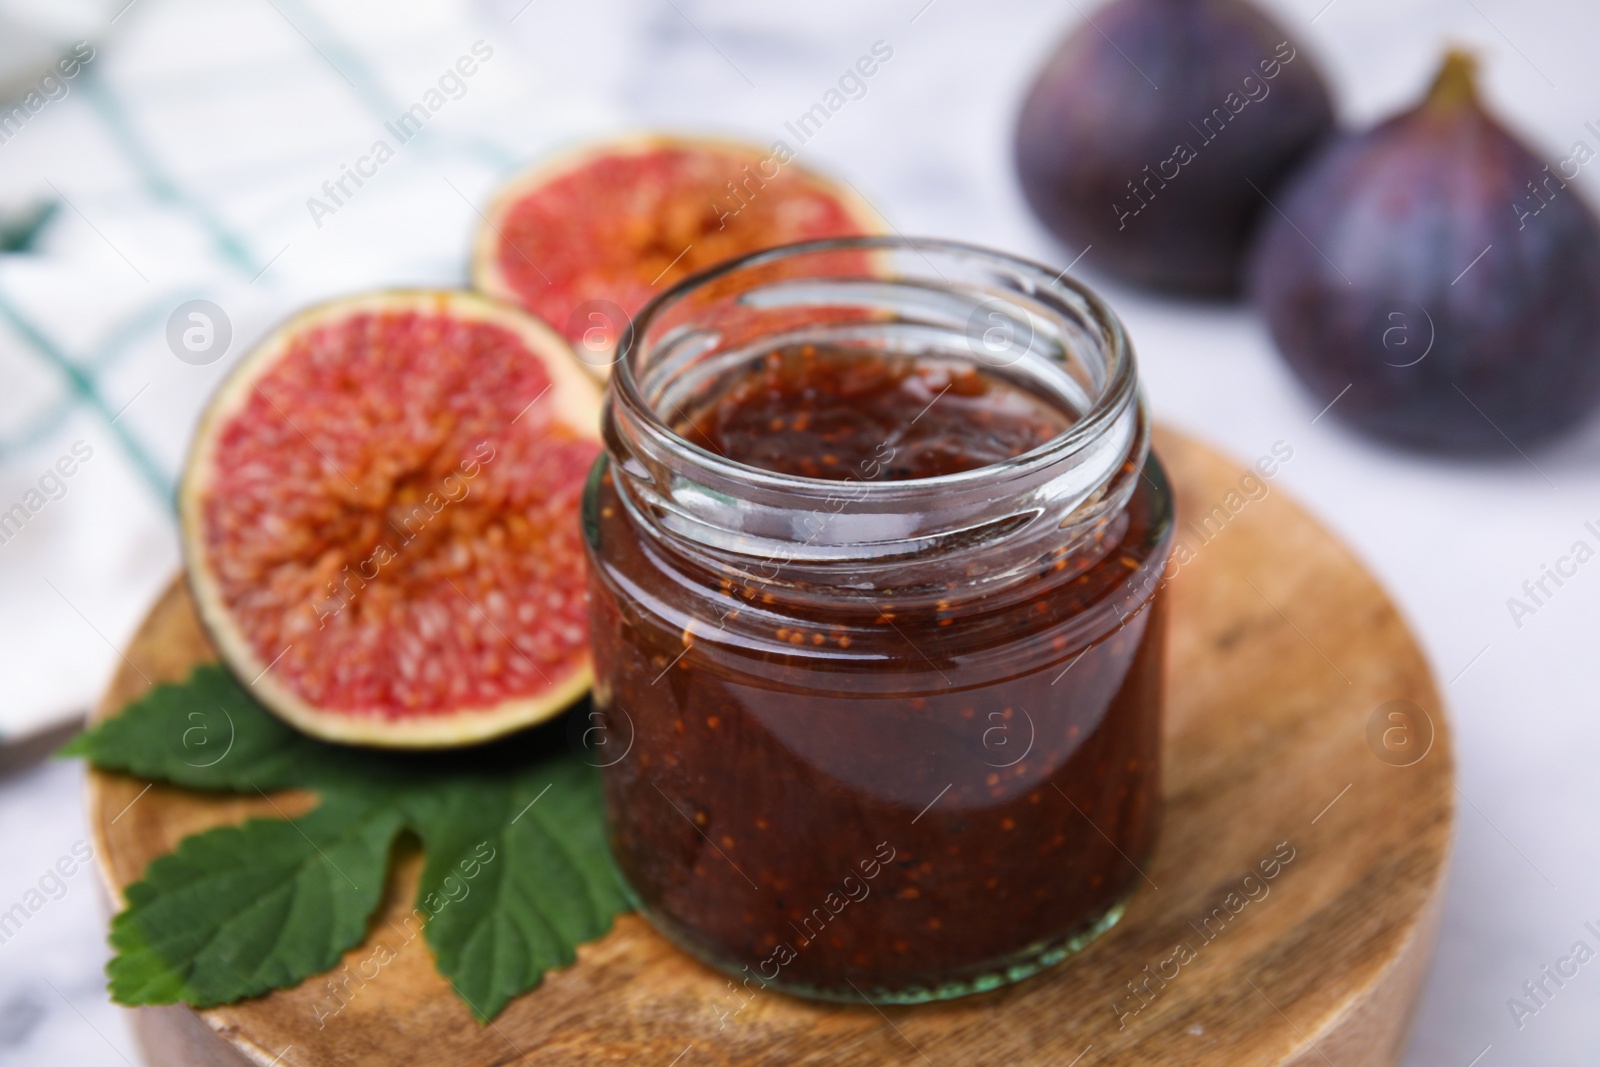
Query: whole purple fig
1443, 275
1157, 128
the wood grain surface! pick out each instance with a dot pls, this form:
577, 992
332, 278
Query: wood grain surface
1282, 650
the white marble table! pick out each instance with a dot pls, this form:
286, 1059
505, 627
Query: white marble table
250, 104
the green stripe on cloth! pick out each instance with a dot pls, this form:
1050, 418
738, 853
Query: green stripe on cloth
156, 180
84, 388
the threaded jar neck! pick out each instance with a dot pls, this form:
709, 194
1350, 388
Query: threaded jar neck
1009, 318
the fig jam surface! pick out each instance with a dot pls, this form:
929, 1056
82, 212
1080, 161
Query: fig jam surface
898, 798
839, 415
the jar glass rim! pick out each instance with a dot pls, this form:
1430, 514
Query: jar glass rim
1119, 390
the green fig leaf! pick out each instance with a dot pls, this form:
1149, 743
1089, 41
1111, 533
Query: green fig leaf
241, 910
515, 880
207, 733
517, 870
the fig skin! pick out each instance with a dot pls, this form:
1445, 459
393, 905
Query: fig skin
1437, 359
1092, 124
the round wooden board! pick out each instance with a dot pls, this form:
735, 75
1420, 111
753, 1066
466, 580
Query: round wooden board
1282, 649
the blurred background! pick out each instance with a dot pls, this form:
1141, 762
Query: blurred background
175, 165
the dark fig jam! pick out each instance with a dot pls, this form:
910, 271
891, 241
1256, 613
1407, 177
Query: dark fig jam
852, 416
877, 762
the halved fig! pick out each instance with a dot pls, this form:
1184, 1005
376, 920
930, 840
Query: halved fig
380, 520
585, 240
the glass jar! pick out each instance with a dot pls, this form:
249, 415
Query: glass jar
893, 724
